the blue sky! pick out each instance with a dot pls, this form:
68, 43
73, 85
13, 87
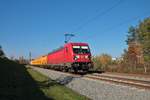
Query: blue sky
39, 25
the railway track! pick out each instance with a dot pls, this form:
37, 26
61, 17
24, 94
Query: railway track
138, 83
143, 84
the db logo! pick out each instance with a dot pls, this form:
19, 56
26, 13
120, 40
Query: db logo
82, 57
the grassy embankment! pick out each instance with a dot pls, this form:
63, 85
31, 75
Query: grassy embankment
53, 89
20, 83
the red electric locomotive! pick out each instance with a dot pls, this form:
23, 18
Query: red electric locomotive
73, 56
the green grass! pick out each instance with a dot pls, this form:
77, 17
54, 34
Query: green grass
53, 89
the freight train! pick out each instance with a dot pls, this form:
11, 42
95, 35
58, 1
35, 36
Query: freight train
71, 57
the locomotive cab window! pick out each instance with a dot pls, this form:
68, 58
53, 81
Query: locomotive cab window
81, 49
85, 49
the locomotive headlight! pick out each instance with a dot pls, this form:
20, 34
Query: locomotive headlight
86, 57
76, 57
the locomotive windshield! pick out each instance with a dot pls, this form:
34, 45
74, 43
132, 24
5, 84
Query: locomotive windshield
81, 49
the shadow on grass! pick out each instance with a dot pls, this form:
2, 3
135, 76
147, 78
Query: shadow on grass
59, 81
17, 84
67, 79
64, 80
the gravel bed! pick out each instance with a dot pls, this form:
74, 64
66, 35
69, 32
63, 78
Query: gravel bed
96, 89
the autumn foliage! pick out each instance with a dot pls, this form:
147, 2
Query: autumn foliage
136, 58
102, 61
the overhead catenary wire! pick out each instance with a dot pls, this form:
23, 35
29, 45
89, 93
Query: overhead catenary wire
97, 16
120, 24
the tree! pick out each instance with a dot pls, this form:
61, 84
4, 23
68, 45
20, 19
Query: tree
101, 61
144, 38
133, 56
138, 40
132, 35
105, 60
96, 62
135, 51
2, 54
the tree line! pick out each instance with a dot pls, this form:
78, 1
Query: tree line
136, 58
20, 60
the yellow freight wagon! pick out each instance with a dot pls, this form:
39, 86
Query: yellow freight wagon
40, 61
